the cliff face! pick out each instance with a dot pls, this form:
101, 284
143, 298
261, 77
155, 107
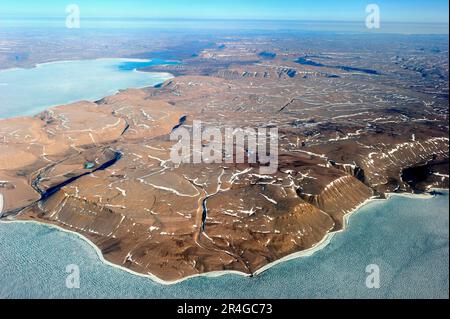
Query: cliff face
383, 168
340, 197
103, 170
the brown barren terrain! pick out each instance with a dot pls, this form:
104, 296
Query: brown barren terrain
103, 169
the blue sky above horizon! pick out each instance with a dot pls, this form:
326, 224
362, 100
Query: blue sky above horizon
410, 11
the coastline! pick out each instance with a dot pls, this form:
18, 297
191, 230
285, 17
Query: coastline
38, 65
103, 260
164, 76
346, 221
214, 274
1, 204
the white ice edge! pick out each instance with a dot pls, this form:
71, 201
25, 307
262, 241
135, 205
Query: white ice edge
38, 65
164, 76
305, 253
328, 237
102, 259
1, 204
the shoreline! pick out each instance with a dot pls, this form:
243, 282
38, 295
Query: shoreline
1, 205
346, 222
214, 274
99, 254
164, 76
40, 64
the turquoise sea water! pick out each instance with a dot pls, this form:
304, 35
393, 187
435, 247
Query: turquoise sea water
408, 238
29, 91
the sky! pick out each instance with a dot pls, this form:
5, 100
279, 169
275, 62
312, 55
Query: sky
413, 11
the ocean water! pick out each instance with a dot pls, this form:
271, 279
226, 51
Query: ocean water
407, 238
29, 91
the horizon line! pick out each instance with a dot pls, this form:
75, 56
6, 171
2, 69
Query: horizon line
218, 19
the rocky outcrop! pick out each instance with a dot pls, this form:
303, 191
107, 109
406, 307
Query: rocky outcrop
383, 168
340, 197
